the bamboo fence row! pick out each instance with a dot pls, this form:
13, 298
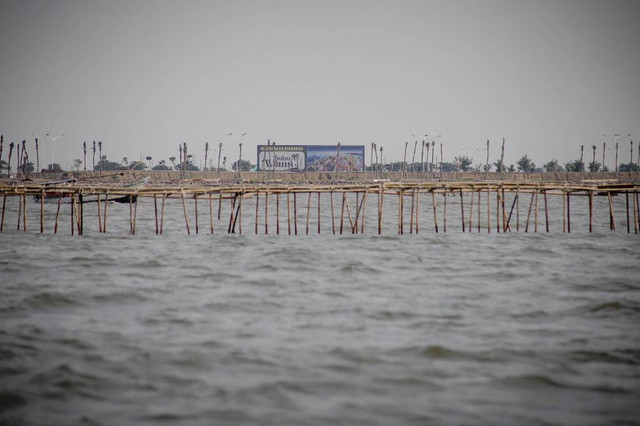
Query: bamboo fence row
488, 196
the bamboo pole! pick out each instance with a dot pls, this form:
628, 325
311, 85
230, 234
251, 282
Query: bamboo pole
612, 219
342, 212
546, 211
238, 217
417, 210
354, 227
479, 208
349, 214
318, 212
266, 212
444, 211
55, 226
99, 213
380, 211
219, 204
4, 206
635, 210
498, 210
277, 213
564, 211
288, 214
568, 212
131, 214
42, 195
232, 211
164, 197
590, 211
211, 222
533, 196
24, 210
513, 204
186, 214
106, 206
135, 214
535, 229
400, 211
72, 205
308, 213
295, 214
19, 211
488, 209
462, 210
504, 213
471, 209
195, 202
257, 210
435, 212
628, 219
333, 219
413, 203
517, 209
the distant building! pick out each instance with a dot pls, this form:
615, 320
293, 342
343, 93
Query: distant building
310, 158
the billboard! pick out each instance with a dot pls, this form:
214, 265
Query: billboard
310, 158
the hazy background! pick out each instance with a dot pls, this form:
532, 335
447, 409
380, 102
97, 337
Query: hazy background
143, 76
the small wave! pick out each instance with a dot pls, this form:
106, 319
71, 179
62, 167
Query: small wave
533, 381
119, 297
624, 357
51, 300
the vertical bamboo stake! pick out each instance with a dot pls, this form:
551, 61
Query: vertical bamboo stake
72, 205
535, 229
81, 215
354, 227
288, 214
308, 212
488, 209
164, 197
498, 210
444, 211
342, 212
526, 228
130, 214
19, 211
295, 214
612, 219
471, 209
590, 211
417, 210
318, 212
546, 211
24, 209
333, 219
232, 208
99, 213
479, 208
219, 204
635, 209
277, 213
564, 211
266, 212
239, 213
106, 206
435, 212
4, 205
513, 204
135, 214
380, 209
413, 203
195, 202
55, 226
186, 215
462, 210
257, 209
400, 208
517, 209
504, 213
568, 212
349, 215
42, 195
626, 193
211, 223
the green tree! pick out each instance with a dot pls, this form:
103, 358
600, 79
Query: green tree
55, 167
77, 163
525, 165
594, 166
105, 164
464, 163
245, 165
162, 165
574, 166
628, 167
552, 166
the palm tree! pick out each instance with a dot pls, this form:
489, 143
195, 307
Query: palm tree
84, 153
148, 158
173, 161
100, 149
94, 155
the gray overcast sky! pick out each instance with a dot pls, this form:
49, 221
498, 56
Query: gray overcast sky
143, 76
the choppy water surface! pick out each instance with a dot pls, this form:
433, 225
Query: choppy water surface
418, 329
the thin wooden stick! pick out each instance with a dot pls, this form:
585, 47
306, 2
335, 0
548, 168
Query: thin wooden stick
535, 229
295, 214
564, 211
4, 206
20, 212
135, 214
186, 214
42, 195
55, 226
219, 204
344, 194
333, 219
288, 214
257, 209
413, 203
266, 212
131, 214
73, 202
277, 213
526, 228
164, 197
517, 209
511, 212
232, 208
444, 211
628, 221
99, 213
498, 210
634, 195
318, 212
435, 213
155, 212
546, 211
462, 210
380, 211
308, 213
417, 210
612, 219
349, 214
211, 222
479, 208
488, 209
590, 211
238, 217
568, 212
471, 209
400, 211
195, 202
106, 206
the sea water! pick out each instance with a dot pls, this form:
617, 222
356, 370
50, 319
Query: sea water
428, 328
